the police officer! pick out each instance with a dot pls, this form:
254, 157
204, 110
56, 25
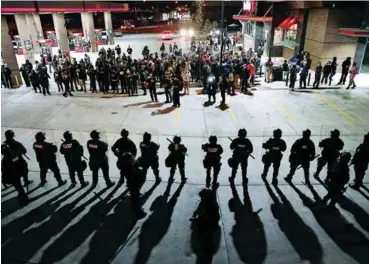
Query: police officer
17, 150
24, 70
44, 80
114, 79
302, 152
274, 146
340, 177
331, 148
152, 87
242, 148
73, 152
46, 158
224, 87
123, 145
293, 76
149, 156
176, 96
12, 171
167, 85
360, 162
135, 179
177, 156
98, 158
212, 159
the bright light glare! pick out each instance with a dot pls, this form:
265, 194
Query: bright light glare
217, 32
183, 32
210, 79
191, 32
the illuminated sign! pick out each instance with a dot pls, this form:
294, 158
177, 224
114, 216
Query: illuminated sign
249, 7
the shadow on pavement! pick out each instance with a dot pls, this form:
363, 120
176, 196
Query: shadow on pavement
34, 239
157, 224
360, 215
164, 111
136, 104
12, 205
112, 229
301, 236
205, 241
154, 105
348, 238
248, 232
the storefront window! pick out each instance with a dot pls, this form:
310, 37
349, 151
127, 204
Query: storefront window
291, 33
249, 29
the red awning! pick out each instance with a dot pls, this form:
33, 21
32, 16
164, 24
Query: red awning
288, 22
354, 32
253, 18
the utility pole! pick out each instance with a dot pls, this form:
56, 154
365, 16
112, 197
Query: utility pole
221, 34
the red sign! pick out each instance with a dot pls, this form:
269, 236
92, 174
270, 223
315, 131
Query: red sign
249, 7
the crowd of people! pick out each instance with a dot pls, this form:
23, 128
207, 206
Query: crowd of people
133, 170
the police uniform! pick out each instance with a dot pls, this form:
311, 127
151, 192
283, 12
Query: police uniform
177, 153
73, 152
274, 146
331, 148
242, 148
212, 160
98, 159
149, 157
302, 152
46, 158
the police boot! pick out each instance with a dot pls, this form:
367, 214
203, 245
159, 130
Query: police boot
208, 180
288, 178
84, 184
110, 184
62, 182
43, 182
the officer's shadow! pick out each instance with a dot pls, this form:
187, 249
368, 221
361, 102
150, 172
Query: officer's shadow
157, 224
300, 235
347, 237
136, 104
34, 239
77, 233
164, 111
248, 232
114, 229
12, 205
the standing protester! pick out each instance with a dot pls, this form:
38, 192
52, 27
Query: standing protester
149, 156
114, 79
167, 86
35, 81
58, 79
82, 76
151, 82
333, 70
224, 87
176, 157
49, 61
353, 73
176, 96
242, 148
7, 73
326, 72
212, 160
360, 162
302, 153
293, 77
331, 149
118, 50
73, 153
44, 80
98, 158
285, 70
92, 76
268, 70
73, 76
17, 150
303, 76
274, 146
129, 51
24, 71
345, 70
46, 158
245, 75
318, 74
66, 81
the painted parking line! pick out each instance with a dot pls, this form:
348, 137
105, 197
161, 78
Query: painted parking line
233, 115
283, 109
332, 105
176, 116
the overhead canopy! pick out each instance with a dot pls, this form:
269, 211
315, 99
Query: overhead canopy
354, 32
253, 18
288, 22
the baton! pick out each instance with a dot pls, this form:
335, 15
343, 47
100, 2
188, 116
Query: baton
311, 160
173, 143
82, 155
249, 154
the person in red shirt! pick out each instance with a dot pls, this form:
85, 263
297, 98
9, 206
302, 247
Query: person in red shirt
251, 69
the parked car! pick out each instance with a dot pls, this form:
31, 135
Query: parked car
167, 35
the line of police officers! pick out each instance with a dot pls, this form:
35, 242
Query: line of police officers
134, 170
